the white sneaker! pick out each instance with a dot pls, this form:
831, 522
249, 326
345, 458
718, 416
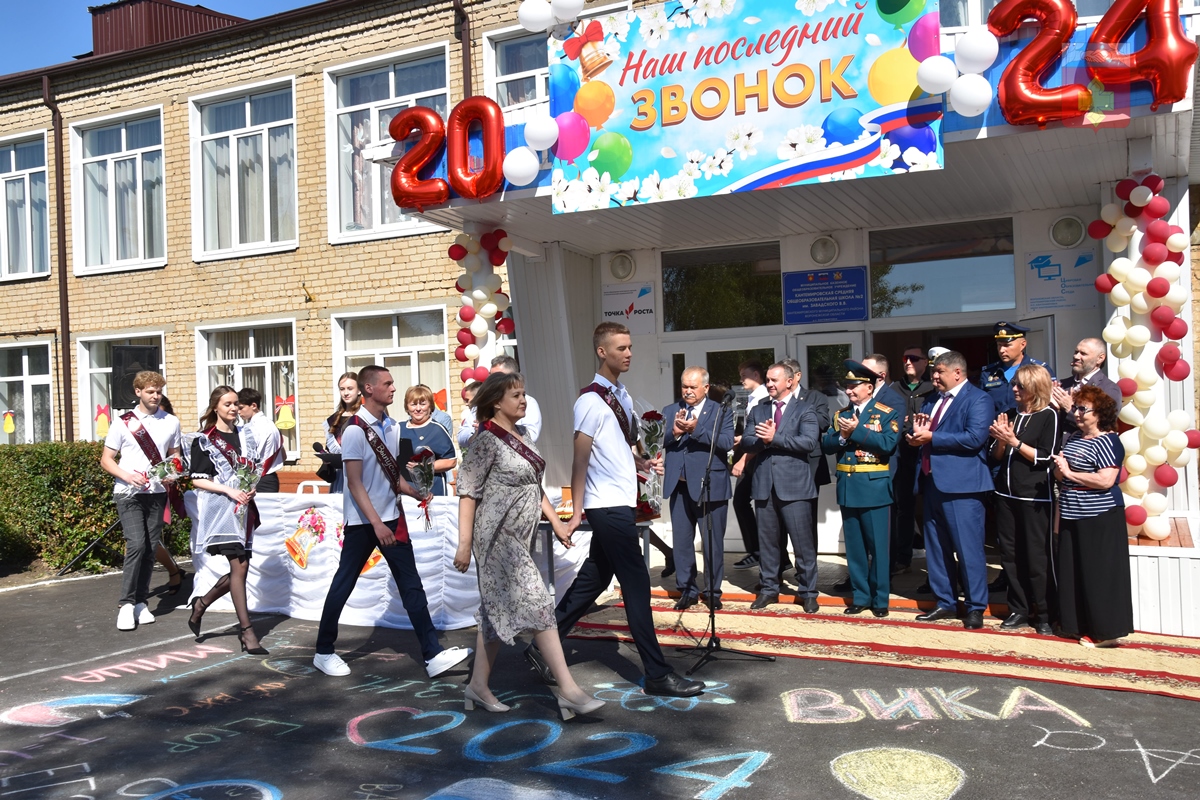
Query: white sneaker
144, 617
447, 659
331, 664
126, 619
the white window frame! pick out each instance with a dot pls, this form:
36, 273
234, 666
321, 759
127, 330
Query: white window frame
196, 139
341, 353
975, 19
203, 363
332, 178
78, 219
87, 404
29, 381
6, 275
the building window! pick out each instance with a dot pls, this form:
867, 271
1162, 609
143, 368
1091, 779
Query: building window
25, 234
941, 269
123, 202
367, 100
262, 358
98, 377
248, 171
25, 404
411, 345
960, 13
724, 287
522, 71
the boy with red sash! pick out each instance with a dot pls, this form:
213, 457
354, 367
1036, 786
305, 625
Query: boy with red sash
604, 484
142, 438
372, 456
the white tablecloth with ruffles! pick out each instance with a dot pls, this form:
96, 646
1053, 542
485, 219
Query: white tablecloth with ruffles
283, 583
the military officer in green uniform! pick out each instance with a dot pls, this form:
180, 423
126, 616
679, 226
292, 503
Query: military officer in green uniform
864, 436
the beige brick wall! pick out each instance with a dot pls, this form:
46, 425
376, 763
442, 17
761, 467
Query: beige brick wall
399, 271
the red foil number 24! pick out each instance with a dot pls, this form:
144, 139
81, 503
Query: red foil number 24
1165, 62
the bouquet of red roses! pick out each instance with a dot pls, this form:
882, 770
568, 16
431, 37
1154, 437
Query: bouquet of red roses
248, 475
420, 467
166, 471
652, 430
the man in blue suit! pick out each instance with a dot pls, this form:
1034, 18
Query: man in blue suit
951, 433
692, 423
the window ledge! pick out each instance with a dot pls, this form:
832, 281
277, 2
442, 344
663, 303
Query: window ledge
246, 252
83, 272
24, 276
417, 229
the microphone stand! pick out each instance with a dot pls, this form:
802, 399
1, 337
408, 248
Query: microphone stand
709, 650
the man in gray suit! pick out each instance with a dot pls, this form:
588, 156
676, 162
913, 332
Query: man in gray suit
1087, 369
783, 433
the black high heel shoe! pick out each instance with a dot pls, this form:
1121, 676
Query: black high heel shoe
179, 574
254, 651
194, 624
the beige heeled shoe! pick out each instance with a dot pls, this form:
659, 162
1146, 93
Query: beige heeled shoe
470, 699
567, 709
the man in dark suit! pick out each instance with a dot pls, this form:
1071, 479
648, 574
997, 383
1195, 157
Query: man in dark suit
952, 434
1087, 369
690, 433
818, 462
782, 434
915, 389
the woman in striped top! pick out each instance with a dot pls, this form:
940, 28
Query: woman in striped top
1024, 441
1095, 595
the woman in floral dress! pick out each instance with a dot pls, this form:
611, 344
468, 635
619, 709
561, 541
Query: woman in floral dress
500, 504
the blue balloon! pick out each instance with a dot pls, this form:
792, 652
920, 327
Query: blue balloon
564, 85
921, 137
842, 126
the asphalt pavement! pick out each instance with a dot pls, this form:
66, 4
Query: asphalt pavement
87, 711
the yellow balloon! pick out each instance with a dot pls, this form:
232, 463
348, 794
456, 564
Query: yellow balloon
893, 77
595, 102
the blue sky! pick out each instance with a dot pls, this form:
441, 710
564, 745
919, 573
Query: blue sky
45, 32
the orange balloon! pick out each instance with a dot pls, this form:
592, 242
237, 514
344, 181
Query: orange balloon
595, 102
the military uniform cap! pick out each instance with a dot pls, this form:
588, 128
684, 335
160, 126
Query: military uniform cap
1006, 331
857, 373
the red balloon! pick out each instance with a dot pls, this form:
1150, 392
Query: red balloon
1098, 229
458, 287
497, 257
475, 185
1165, 61
466, 313
500, 234
1158, 287
1193, 439
1157, 208
460, 354
488, 241
1154, 183
505, 326
1176, 229
408, 190
1132, 211
468, 375
1158, 231
1176, 330
1177, 370
457, 252
1169, 354
1176, 257
1135, 515
1023, 99
1165, 475
481, 373
1125, 187
465, 336
1155, 253
1161, 317
1122, 475
1128, 387
1105, 283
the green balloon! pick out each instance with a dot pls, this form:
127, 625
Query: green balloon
898, 12
613, 154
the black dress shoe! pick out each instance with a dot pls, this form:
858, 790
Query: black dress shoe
853, 609
925, 588
809, 604
1014, 621
685, 602
1043, 629
672, 685
936, 614
714, 604
973, 621
534, 657
668, 570
879, 612
764, 599
843, 586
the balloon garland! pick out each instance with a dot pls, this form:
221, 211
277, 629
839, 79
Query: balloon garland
968, 93
1156, 445
483, 304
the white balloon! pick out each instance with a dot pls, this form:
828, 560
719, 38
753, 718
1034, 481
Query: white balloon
1168, 270
541, 132
936, 74
502, 302
1178, 242
1176, 297
481, 295
1113, 334
471, 262
1155, 454
1121, 350
1144, 399
1120, 296
1137, 336
1146, 376
1157, 528
462, 239
521, 165
1141, 303
975, 51
1125, 226
471, 351
1130, 415
472, 245
535, 15
1175, 441
1136, 485
467, 300
504, 245
1140, 196
1135, 464
1120, 268
971, 95
492, 282
1127, 369
488, 310
479, 326
1155, 426
1111, 212
1132, 442
1179, 420
1181, 459
1117, 242
566, 10
1138, 278
1155, 503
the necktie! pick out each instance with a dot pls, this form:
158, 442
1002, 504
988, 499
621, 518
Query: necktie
778, 412
927, 449
691, 412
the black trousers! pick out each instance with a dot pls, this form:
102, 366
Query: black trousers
904, 509
615, 550
1023, 532
743, 509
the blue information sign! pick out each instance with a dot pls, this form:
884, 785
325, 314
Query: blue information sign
828, 295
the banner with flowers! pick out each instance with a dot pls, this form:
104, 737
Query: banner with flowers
693, 98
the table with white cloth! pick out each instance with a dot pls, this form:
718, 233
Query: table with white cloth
296, 551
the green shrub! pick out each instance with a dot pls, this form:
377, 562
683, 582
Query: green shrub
54, 499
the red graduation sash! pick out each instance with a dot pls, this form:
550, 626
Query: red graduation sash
513, 441
387, 461
154, 456
224, 448
628, 428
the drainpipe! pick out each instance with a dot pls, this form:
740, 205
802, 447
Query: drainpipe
60, 231
462, 32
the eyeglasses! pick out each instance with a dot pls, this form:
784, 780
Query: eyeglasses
1016, 385
1080, 410
914, 359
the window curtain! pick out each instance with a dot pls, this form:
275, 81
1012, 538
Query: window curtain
14, 215
953, 13
125, 180
41, 412
215, 180
228, 345
273, 342
95, 214
41, 222
283, 183
153, 205
250, 189
354, 184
